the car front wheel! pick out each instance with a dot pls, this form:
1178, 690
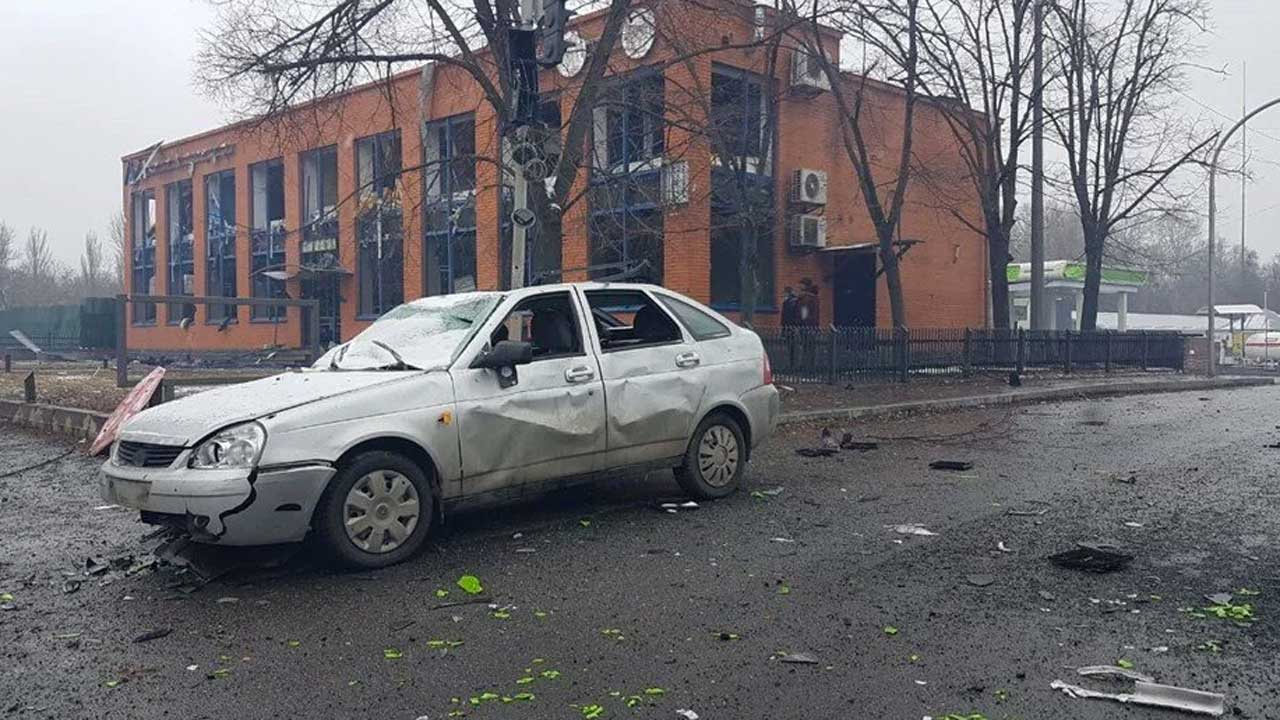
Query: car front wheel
715, 460
376, 511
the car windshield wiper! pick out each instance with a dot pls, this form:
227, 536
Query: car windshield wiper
337, 357
400, 363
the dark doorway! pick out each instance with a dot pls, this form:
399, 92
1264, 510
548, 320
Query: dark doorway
323, 287
854, 289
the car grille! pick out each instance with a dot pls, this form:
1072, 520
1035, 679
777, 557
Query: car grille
139, 454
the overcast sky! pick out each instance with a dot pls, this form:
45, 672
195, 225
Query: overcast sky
86, 81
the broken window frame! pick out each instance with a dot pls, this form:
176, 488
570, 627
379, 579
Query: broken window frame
142, 250
267, 238
625, 229
180, 244
379, 224
220, 243
449, 203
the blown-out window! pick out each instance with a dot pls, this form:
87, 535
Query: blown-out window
180, 243
449, 183
267, 258
143, 254
220, 241
379, 224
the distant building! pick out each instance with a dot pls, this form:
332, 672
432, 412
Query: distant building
1064, 287
391, 192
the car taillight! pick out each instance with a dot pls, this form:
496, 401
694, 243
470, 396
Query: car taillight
768, 370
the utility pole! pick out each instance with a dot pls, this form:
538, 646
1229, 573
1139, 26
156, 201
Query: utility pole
523, 72
1244, 161
1038, 309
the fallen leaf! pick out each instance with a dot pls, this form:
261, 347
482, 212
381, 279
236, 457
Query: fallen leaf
442, 593
470, 584
1126, 664
890, 630
391, 654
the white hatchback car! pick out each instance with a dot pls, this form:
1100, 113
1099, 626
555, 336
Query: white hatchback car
448, 401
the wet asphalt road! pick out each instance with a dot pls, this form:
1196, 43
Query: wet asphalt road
812, 569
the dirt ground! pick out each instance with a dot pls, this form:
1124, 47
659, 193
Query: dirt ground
91, 386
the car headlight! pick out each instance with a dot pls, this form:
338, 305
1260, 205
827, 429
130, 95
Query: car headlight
115, 452
238, 446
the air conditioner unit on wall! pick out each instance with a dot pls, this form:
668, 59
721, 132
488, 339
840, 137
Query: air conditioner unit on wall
809, 187
807, 231
807, 75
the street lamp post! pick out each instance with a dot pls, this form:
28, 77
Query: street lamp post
1211, 345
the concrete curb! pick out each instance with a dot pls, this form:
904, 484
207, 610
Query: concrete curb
75, 422
1068, 392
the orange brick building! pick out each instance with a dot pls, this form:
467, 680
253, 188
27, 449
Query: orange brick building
394, 190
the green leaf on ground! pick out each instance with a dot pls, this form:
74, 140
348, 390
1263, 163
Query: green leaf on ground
1246, 592
294, 643
352, 683
784, 589
655, 691
502, 614
6, 597
539, 614
913, 658
890, 630
470, 584
525, 680
592, 711
1126, 664
1002, 695
111, 683
219, 673
391, 654
523, 696
1212, 646
633, 700
585, 522
442, 593
550, 674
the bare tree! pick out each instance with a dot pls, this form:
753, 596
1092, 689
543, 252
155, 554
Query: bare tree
890, 31
266, 56
1119, 62
976, 58
6, 265
94, 276
38, 266
115, 236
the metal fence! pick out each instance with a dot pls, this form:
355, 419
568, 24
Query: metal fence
836, 355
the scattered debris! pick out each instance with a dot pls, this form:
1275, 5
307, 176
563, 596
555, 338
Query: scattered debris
1031, 512
959, 465
798, 658
469, 601
848, 443
1002, 547
71, 585
155, 634
1046, 595
1129, 478
1132, 524
675, 507
1114, 671
911, 529
1154, 695
781, 540
228, 600
1090, 557
816, 452
686, 714
1093, 423
1222, 598
980, 580
829, 440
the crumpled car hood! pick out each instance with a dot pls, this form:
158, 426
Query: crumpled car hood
187, 420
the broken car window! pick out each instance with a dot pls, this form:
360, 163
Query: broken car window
426, 334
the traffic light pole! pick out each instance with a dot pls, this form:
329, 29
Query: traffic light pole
520, 185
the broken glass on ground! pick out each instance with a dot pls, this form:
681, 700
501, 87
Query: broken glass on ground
1154, 695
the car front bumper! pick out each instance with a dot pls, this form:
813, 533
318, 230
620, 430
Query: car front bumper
227, 507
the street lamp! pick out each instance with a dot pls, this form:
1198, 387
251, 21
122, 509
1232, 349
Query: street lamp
1211, 366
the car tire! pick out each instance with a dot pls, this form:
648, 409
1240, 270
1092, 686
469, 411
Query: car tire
715, 459
376, 487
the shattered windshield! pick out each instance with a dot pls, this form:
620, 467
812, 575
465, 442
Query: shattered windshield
425, 334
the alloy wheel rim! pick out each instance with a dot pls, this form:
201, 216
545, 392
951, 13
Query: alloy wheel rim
381, 511
718, 456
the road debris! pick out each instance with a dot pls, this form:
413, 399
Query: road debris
1046, 595
798, 658
848, 443
912, 529
781, 540
676, 507
686, 714
70, 585
816, 452
1114, 671
1027, 512
980, 580
1154, 695
1222, 598
155, 634
1092, 557
1003, 548
958, 465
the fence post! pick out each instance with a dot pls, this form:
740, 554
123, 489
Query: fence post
8, 363
1143, 333
967, 366
1022, 351
29, 388
1106, 351
122, 349
1066, 352
902, 335
832, 376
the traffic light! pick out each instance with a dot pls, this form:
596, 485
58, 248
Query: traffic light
551, 29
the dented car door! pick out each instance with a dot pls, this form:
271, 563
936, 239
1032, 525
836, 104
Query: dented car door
550, 422
653, 376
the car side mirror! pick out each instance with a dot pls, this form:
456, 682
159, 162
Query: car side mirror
503, 357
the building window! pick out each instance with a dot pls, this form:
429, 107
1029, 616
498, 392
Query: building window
143, 252
181, 244
626, 213
220, 242
266, 183
320, 268
742, 194
449, 183
379, 224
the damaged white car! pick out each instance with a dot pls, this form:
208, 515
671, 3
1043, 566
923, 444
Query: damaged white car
448, 401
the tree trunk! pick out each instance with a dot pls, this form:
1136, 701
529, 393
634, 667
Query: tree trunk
747, 286
1093, 245
998, 262
892, 278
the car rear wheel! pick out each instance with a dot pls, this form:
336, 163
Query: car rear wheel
376, 511
715, 460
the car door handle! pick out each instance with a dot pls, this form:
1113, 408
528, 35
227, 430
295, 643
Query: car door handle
688, 360
579, 374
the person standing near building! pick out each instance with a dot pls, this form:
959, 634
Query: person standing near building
809, 314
